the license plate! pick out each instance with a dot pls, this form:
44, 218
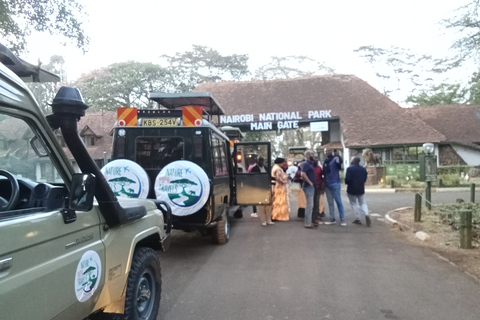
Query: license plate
162, 122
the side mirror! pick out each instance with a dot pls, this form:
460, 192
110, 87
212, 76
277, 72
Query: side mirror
82, 192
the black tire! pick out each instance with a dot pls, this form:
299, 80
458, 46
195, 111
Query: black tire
144, 286
221, 232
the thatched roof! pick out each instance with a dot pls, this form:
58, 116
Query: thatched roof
368, 118
99, 125
458, 123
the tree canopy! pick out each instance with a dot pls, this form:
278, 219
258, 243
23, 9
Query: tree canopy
203, 64
18, 18
124, 84
128, 83
291, 67
425, 78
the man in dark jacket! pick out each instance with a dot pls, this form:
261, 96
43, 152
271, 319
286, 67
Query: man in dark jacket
355, 179
331, 173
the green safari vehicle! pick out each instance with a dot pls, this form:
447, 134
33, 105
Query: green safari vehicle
69, 248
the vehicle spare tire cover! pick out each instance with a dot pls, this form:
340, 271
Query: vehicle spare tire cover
127, 179
184, 186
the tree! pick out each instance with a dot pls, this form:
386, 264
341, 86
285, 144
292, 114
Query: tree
45, 92
18, 18
427, 77
184, 183
124, 84
466, 22
128, 83
203, 64
291, 67
399, 69
441, 94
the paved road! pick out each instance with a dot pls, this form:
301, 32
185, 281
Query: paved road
288, 272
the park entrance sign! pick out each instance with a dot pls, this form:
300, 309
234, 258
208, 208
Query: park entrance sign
275, 120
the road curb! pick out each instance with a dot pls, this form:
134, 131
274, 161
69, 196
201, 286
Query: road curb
402, 226
394, 222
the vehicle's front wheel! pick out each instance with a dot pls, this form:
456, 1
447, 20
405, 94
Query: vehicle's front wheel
221, 232
144, 286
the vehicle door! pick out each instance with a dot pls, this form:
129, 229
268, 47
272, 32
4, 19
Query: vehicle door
221, 178
252, 188
47, 264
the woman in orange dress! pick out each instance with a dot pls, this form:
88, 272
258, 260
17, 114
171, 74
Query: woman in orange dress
280, 204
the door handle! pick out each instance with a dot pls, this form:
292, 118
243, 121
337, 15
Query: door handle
5, 264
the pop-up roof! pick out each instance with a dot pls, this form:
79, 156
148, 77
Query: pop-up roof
179, 100
26, 71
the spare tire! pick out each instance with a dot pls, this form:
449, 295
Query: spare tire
127, 179
184, 186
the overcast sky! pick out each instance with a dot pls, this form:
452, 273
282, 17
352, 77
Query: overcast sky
327, 31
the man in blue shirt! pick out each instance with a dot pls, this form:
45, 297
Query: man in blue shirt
331, 172
308, 176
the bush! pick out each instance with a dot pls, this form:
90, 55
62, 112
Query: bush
450, 180
450, 214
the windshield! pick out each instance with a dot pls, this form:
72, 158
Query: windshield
17, 155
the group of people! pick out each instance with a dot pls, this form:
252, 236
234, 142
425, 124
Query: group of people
316, 181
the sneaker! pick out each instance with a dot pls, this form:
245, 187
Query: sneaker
369, 222
309, 226
254, 215
322, 215
270, 222
330, 222
343, 224
318, 221
264, 224
356, 221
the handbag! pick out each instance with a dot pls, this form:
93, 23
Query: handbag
298, 176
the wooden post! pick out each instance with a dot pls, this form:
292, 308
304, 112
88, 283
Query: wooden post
392, 184
472, 193
466, 229
418, 208
428, 195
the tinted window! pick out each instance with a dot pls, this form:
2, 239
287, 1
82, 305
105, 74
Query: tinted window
219, 157
157, 152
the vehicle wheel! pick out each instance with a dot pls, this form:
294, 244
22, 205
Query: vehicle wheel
221, 232
144, 286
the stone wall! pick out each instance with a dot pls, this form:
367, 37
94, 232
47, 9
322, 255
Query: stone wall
449, 157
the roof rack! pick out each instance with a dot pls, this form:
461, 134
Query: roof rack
210, 105
26, 71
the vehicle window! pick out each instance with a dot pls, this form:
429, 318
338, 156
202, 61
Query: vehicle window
157, 152
219, 157
17, 155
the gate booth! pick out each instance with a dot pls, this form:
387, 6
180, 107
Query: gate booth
316, 120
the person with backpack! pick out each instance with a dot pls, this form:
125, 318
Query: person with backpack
331, 173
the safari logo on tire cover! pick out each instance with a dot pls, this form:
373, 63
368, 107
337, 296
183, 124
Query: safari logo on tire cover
127, 179
184, 186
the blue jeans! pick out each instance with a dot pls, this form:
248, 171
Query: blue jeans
309, 193
333, 193
359, 206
